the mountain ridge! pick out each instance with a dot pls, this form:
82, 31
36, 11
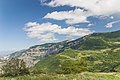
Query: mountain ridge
35, 53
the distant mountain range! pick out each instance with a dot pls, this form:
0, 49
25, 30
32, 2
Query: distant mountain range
93, 41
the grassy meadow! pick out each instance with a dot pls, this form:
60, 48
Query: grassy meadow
79, 76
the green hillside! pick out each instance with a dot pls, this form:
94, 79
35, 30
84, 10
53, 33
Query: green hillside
98, 52
99, 41
76, 61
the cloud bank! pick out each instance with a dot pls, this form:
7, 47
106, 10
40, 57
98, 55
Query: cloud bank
46, 32
70, 17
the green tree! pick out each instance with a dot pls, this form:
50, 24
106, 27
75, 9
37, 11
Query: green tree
15, 67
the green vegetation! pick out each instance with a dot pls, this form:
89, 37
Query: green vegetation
14, 67
95, 42
79, 76
75, 61
65, 62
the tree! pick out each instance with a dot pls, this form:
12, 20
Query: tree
15, 67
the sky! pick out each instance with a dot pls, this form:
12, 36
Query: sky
24, 23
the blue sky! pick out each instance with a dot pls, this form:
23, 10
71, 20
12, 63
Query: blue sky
21, 21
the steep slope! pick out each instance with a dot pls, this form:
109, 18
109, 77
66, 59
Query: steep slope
93, 41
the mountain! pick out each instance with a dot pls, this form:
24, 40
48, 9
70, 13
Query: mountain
95, 41
98, 52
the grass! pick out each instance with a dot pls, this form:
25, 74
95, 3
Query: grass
79, 76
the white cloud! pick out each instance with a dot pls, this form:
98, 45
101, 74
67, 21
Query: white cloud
46, 32
70, 17
93, 7
110, 25
41, 31
90, 24
98, 7
72, 31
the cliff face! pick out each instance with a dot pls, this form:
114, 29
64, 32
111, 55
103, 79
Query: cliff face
35, 53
